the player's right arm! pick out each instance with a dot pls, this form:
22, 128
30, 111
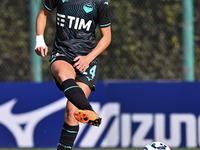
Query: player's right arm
41, 48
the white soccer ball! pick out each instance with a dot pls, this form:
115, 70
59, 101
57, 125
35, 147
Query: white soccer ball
156, 146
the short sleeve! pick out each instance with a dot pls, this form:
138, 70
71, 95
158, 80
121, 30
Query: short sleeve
104, 14
50, 4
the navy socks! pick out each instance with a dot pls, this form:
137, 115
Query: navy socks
68, 136
75, 95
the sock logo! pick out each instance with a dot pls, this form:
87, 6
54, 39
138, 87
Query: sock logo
88, 8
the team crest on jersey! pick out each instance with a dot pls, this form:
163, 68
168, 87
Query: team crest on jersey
65, 1
88, 8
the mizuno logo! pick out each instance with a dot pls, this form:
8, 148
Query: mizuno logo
24, 136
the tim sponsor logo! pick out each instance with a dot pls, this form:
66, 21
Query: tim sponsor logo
79, 23
74, 22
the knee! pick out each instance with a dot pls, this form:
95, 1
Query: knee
61, 76
62, 71
70, 119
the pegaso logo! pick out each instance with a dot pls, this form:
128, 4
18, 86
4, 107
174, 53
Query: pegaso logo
88, 8
65, 1
117, 129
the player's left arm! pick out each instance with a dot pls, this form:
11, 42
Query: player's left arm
102, 44
105, 28
83, 61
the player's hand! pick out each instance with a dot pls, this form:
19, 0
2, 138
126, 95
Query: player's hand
41, 51
41, 48
81, 63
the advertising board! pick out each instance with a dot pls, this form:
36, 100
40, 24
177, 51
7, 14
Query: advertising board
133, 115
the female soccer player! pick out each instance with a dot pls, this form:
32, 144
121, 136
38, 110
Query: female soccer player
74, 62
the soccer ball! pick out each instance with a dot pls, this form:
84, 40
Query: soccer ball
156, 146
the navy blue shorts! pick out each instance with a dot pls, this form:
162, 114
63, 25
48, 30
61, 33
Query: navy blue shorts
88, 77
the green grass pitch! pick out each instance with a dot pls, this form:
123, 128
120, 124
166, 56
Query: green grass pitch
93, 149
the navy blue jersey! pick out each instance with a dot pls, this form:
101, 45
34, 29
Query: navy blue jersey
76, 22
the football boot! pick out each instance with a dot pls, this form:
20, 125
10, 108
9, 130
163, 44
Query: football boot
87, 116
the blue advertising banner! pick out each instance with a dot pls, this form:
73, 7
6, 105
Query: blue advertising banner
134, 114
